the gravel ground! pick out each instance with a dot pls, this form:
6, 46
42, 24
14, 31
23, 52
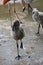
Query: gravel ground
33, 44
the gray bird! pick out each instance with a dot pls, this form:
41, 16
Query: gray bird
18, 34
38, 17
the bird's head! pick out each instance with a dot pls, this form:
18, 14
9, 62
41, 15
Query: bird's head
34, 11
16, 25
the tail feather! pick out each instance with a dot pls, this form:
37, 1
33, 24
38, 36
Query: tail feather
42, 25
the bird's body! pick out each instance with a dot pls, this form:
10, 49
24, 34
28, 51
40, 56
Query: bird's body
38, 17
18, 34
41, 18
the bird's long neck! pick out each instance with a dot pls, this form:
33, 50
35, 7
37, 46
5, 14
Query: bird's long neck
15, 28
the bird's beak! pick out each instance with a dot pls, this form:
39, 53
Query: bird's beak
31, 7
21, 22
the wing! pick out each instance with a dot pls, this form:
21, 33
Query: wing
36, 17
41, 17
22, 31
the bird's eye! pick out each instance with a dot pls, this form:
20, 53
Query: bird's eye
32, 12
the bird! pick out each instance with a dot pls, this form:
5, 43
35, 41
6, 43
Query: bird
38, 17
18, 34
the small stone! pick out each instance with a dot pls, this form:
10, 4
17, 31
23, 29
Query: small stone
32, 47
29, 56
21, 64
28, 64
27, 52
0, 44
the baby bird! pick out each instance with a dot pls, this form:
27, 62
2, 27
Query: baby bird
38, 17
18, 34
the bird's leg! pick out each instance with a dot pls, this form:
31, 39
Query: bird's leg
28, 7
18, 57
21, 46
38, 29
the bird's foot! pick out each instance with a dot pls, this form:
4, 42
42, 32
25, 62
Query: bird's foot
21, 46
18, 57
37, 33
